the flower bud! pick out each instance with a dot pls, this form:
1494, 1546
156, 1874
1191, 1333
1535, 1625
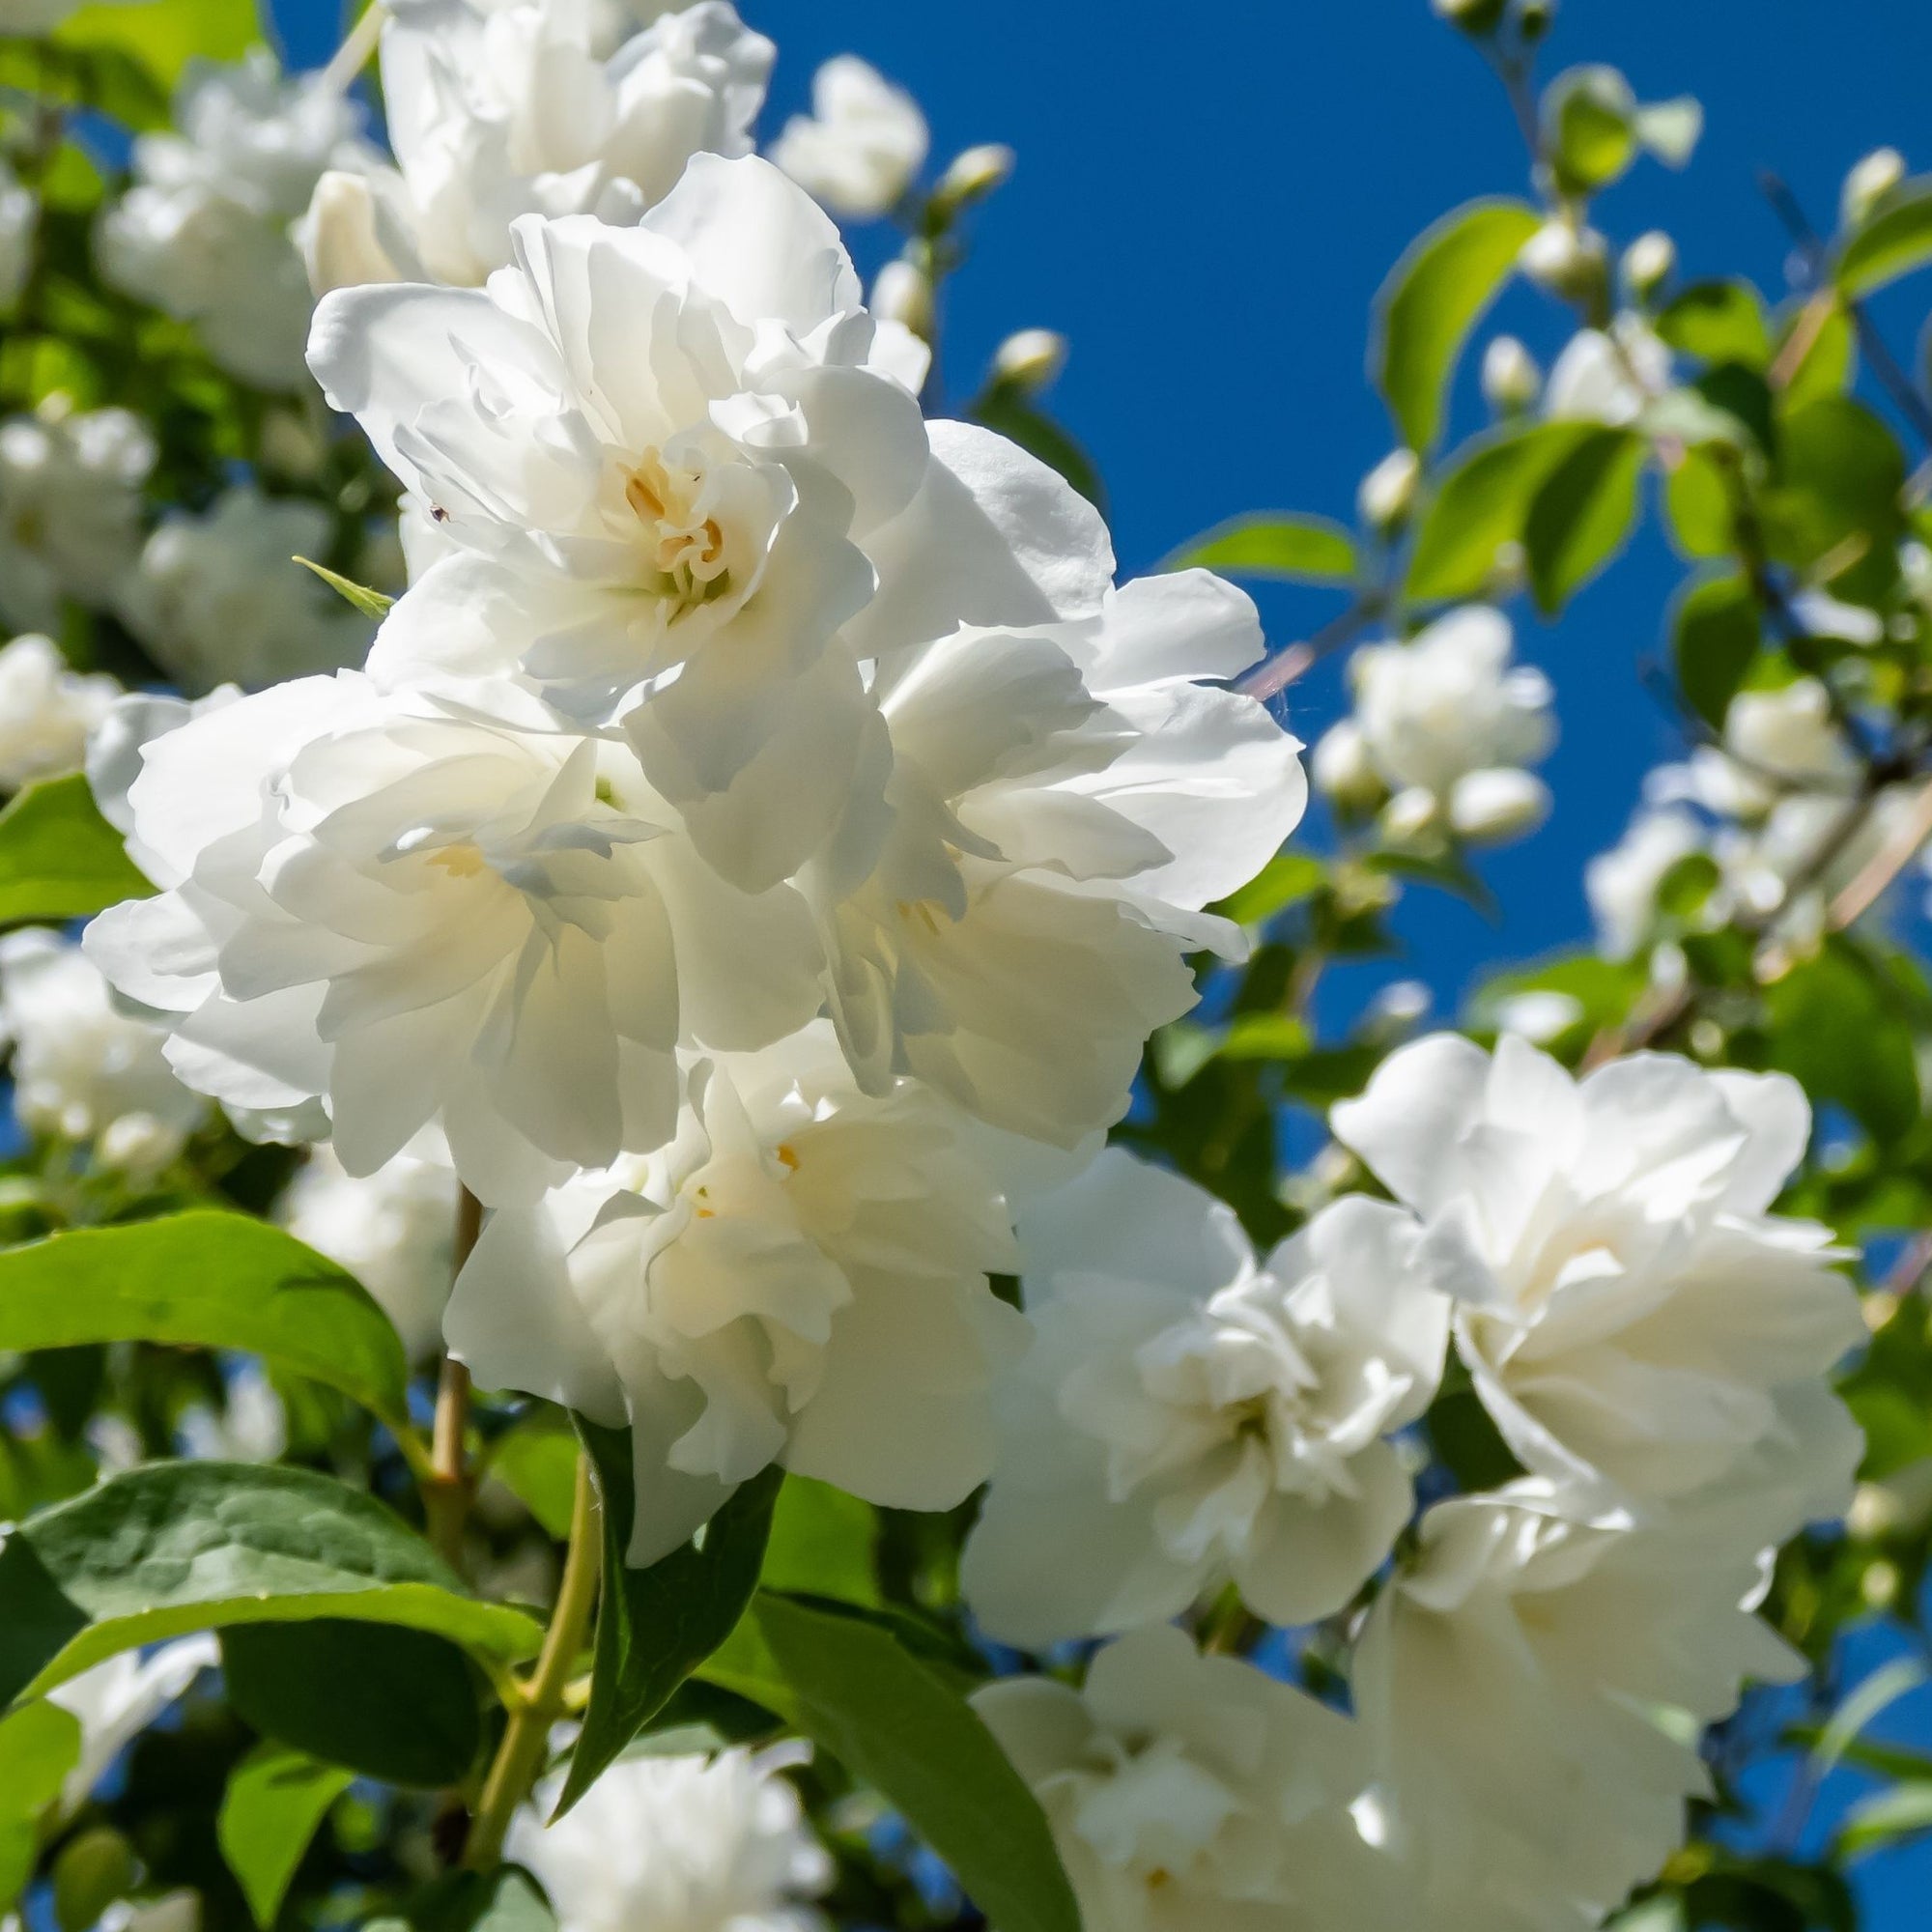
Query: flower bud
1589, 126
1030, 360
1409, 817
1387, 493
1565, 260
1539, 1014
1510, 379
1534, 18
1648, 264
973, 175
340, 236
1342, 771
138, 1144
94, 1867
1872, 179
903, 293
1475, 17
1490, 806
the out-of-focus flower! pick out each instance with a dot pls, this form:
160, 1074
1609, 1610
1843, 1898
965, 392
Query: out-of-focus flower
1629, 1311
677, 1844
502, 110
1187, 1416
19, 218
1621, 884
1648, 264
69, 510
1387, 493
81, 1067
1868, 183
392, 1230
251, 1425
1564, 258
1608, 376
1511, 379
798, 1277
1190, 1793
204, 232
117, 1700
219, 599
861, 146
46, 711
1030, 360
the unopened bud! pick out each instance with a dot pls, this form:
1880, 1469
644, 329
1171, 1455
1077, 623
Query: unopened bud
1342, 770
1534, 18
1568, 261
1387, 493
1410, 818
1477, 17
1030, 360
1868, 183
138, 1144
1488, 806
1648, 264
1511, 379
903, 293
974, 174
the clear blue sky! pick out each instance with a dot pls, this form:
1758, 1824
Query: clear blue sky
1207, 199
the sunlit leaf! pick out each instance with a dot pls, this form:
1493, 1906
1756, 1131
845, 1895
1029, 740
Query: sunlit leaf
59, 858
275, 1802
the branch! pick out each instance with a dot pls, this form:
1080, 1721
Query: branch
446, 1492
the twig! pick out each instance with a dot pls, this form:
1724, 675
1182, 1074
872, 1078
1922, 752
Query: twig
358, 45
1268, 680
446, 1492
1884, 865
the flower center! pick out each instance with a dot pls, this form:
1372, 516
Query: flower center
462, 860
682, 548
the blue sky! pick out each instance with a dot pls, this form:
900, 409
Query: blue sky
1205, 203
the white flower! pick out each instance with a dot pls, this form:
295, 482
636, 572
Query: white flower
798, 1277
1532, 1688
1868, 183
20, 217
1510, 379
219, 599
1386, 494
678, 1844
1775, 743
1607, 377
251, 1425
1539, 1014
1621, 884
1190, 1793
1186, 1417
502, 110
1340, 768
392, 1230
1066, 799
177, 1911
46, 711
1628, 1312
204, 232
79, 1065
862, 145
428, 915
117, 1700
69, 510
1445, 714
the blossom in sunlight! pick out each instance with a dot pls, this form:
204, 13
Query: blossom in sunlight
70, 509
1608, 376
677, 1844
861, 146
1190, 1793
46, 711
1187, 1415
501, 111
117, 1700
19, 218
219, 599
204, 232
1630, 1313
417, 913
392, 1230
1066, 799
1532, 1689
798, 1277
81, 1068
1621, 884
1447, 724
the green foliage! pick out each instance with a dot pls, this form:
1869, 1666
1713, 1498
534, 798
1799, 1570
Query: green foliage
1581, 513
184, 1547
59, 858
1433, 298
1840, 1028
1893, 240
163, 36
210, 1281
504, 1900
274, 1804
1718, 321
1297, 549
1714, 637
39, 1743
823, 1543
358, 596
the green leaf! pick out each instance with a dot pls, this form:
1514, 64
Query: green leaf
1699, 505
39, 1743
275, 1802
656, 1625
59, 858
104, 80
854, 1690
1718, 322
1008, 412
1589, 126
1580, 516
1265, 1037
1297, 549
504, 1900
183, 1547
1828, 364
823, 1544
395, 1705
537, 1460
164, 35
1838, 490
212, 1281
371, 602
1835, 1029
1482, 504
1863, 1706
1286, 879
1885, 1819
1715, 637
1426, 309
1897, 240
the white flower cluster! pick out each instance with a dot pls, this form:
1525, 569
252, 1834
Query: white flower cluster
1444, 728
863, 144
1651, 1345
46, 711
204, 232
762, 820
